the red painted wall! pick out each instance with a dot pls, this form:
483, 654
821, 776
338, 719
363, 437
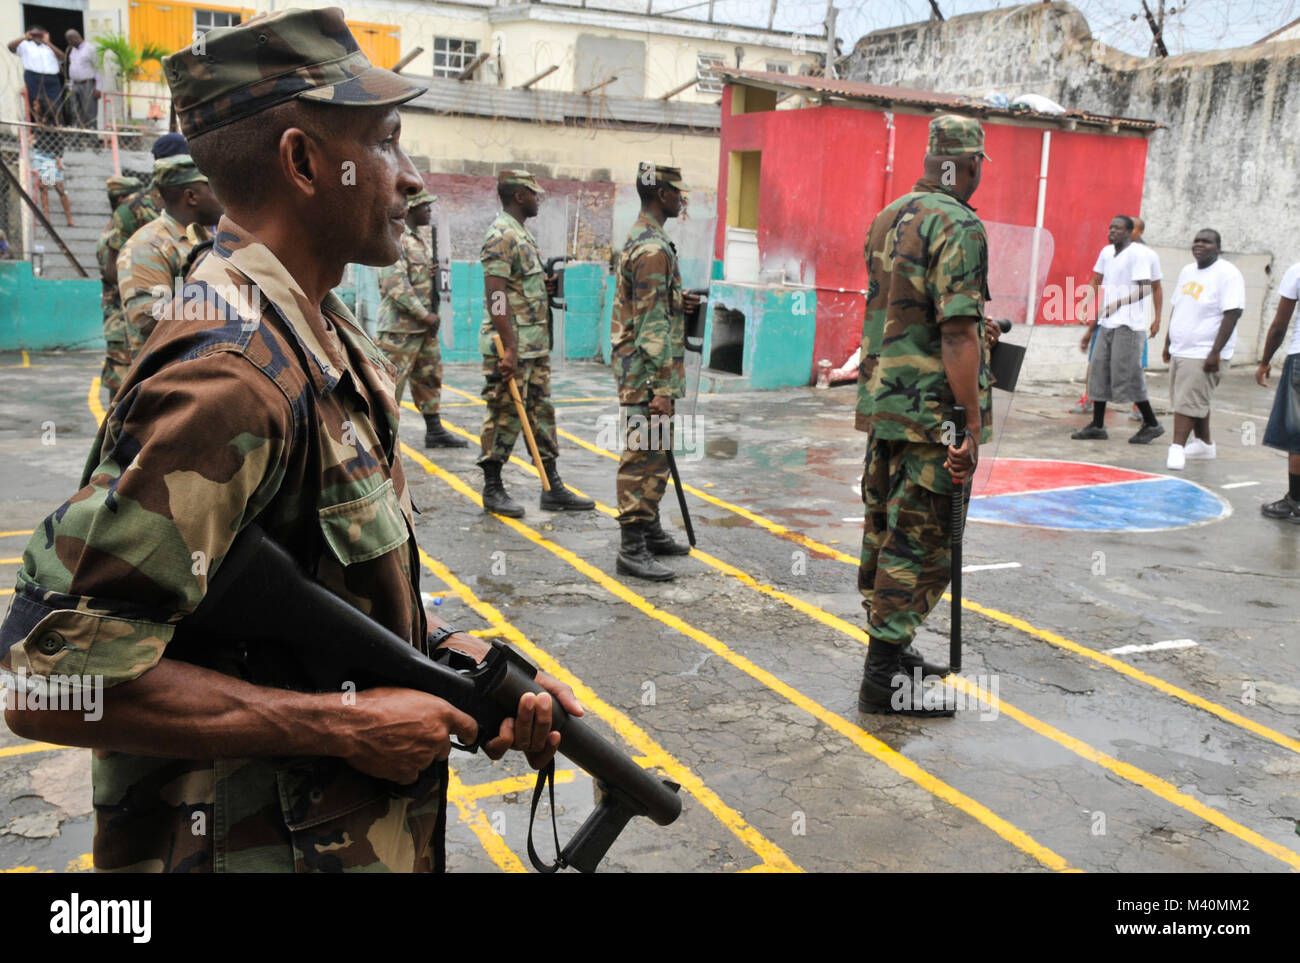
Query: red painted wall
823, 180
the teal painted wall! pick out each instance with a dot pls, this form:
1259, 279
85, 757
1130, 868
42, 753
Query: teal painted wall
780, 325
586, 328
38, 314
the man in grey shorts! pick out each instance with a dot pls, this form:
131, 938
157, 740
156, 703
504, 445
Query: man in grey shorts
1208, 299
1124, 273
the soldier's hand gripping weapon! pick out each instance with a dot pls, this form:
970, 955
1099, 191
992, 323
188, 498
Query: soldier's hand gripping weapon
556, 303
261, 597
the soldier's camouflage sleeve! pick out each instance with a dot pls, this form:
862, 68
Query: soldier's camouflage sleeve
954, 279
395, 285
498, 255
144, 279
650, 271
108, 574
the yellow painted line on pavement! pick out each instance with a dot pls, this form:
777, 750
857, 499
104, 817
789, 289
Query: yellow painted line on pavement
27, 747
503, 787
487, 633
996, 615
92, 401
11, 561
868, 743
629, 731
27, 362
477, 820
1138, 777
1160, 787
23, 531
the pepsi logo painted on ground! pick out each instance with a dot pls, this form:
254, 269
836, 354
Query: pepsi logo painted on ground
1081, 496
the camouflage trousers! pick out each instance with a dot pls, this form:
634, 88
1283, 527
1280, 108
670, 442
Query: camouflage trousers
643, 466
501, 422
906, 540
117, 356
418, 359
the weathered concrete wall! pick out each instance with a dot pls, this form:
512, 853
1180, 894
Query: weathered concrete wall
1233, 117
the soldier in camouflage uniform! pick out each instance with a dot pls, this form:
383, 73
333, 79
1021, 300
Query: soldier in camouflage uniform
117, 355
922, 353
155, 256
516, 306
135, 211
408, 322
648, 341
269, 405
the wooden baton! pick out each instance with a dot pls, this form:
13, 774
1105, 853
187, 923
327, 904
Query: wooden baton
523, 417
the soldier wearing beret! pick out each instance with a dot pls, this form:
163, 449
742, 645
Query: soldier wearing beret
117, 355
155, 255
923, 351
515, 306
648, 344
271, 405
408, 322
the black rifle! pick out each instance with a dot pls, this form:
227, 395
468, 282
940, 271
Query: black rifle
556, 303
957, 521
259, 594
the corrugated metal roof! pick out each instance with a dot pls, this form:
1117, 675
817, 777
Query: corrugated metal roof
853, 90
559, 107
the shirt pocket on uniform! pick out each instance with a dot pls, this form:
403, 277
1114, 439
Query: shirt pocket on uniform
364, 527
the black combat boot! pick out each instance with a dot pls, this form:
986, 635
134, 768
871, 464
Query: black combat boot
887, 689
436, 436
635, 559
660, 542
559, 498
911, 659
495, 498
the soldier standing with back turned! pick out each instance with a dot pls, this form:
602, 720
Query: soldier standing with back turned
515, 306
922, 353
117, 355
648, 342
408, 323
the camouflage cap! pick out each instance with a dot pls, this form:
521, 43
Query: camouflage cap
519, 178
235, 72
952, 135
122, 184
660, 175
176, 170
420, 197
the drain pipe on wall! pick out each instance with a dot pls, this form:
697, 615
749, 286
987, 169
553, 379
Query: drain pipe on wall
1031, 292
888, 190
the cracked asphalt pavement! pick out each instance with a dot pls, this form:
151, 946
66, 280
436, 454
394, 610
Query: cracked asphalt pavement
739, 679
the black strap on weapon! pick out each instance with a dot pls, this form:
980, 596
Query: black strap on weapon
681, 498
545, 777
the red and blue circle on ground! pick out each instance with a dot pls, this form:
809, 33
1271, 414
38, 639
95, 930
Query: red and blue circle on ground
1082, 496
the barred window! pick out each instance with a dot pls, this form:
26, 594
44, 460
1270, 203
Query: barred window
708, 82
205, 20
777, 67
452, 55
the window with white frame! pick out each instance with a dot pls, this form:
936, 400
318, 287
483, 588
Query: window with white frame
777, 67
705, 64
205, 20
452, 55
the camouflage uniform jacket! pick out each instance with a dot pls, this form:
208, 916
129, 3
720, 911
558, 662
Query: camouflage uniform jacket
927, 263
407, 288
648, 336
259, 410
147, 269
134, 212
510, 252
110, 298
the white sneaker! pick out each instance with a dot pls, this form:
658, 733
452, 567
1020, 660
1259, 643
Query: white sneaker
1177, 458
1196, 448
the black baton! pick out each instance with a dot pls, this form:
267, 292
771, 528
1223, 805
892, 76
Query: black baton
957, 521
681, 498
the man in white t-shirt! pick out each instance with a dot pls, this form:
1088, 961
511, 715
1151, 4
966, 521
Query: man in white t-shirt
1123, 271
1157, 299
1208, 300
1283, 431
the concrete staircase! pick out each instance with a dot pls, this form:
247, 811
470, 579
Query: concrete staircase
84, 172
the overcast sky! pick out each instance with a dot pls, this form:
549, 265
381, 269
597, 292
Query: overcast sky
1196, 24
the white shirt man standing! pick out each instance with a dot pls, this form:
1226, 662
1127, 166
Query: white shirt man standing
41, 61
83, 81
1123, 272
1209, 297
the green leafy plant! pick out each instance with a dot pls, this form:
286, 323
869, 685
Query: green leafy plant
129, 58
